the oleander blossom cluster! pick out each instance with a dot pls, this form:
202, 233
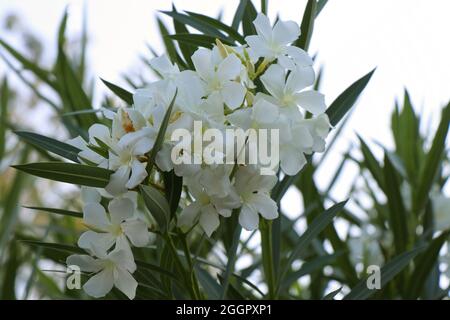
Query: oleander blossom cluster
262, 85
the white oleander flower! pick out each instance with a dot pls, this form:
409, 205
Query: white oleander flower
205, 209
112, 269
119, 228
289, 94
219, 75
274, 43
254, 191
128, 156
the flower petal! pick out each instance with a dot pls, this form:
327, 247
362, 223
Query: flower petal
263, 27
285, 32
84, 262
89, 194
138, 174
202, 63
233, 94
137, 232
95, 215
265, 206
292, 161
118, 180
311, 101
274, 80
100, 284
125, 282
248, 218
229, 68
98, 243
120, 210
300, 78
209, 219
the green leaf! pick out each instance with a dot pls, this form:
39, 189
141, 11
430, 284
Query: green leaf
49, 144
157, 205
161, 134
397, 211
332, 294
68, 172
264, 4
56, 251
233, 34
424, 265
250, 14
320, 5
120, 92
239, 14
313, 230
388, 272
71, 90
58, 211
208, 26
195, 40
8, 285
186, 50
27, 64
231, 261
169, 45
432, 164
4, 99
10, 200
308, 268
347, 99
173, 185
209, 284
154, 268
371, 163
307, 25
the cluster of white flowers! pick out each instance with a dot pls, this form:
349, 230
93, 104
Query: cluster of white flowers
264, 84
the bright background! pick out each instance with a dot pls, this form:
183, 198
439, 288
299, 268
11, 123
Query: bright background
406, 40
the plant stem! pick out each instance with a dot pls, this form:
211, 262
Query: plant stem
267, 256
193, 277
187, 280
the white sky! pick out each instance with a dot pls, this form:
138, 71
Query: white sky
406, 40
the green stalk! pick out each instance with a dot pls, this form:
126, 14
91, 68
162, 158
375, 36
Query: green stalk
193, 277
267, 256
181, 267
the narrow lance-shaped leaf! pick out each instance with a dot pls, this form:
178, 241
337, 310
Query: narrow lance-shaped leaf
431, 166
68, 172
58, 211
397, 211
347, 99
157, 205
161, 134
120, 92
424, 265
313, 230
173, 185
307, 25
49, 144
388, 272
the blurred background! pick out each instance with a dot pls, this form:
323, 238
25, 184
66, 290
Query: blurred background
407, 42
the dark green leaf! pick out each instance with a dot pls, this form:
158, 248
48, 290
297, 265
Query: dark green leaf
397, 211
120, 92
68, 172
429, 170
58, 211
347, 99
307, 25
424, 265
173, 185
388, 272
157, 205
49, 144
